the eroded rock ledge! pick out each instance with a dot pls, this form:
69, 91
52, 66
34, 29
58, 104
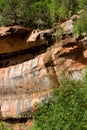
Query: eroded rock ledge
31, 63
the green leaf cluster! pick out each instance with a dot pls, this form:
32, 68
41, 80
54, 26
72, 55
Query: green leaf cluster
37, 13
80, 26
4, 126
66, 110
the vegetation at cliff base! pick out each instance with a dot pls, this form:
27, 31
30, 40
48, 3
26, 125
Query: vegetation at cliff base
66, 110
4, 126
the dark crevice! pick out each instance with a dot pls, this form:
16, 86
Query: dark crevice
52, 74
18, 57
70, 44
66, 35
16, 120
76, 52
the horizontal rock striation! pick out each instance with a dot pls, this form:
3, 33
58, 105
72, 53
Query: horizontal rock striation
31, 64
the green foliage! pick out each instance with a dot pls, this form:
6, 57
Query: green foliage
82, 4
62, 9
4, 126
52, 11
80, 25
38, 13
9, 10
57, 35
66, 110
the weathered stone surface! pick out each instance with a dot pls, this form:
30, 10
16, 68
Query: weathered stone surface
67, 26
27, 81
17, 38
70, 57
24, 83
13, 39
75, 17
15, 108
39, 34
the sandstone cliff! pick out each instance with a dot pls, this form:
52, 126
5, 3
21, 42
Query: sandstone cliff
31, 63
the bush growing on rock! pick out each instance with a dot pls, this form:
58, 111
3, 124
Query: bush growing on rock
67, 110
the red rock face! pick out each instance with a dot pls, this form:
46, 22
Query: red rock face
13, 39
30, 75
22, 85
16, 38
24, 79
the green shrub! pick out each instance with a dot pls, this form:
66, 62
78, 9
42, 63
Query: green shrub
80, 26
66, 110
3, 126
57, 35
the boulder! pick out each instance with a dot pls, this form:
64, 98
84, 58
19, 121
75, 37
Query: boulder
75, 17
67, 26
39, 34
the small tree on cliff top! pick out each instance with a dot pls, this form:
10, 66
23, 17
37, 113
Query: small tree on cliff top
9, 10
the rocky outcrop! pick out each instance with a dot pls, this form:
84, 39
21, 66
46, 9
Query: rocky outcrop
67, 26
33, 65
17, 38
24, 79
13, 39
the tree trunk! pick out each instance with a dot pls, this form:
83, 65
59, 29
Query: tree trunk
15, 19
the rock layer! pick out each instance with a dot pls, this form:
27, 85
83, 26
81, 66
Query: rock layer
29, 80
18, 38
